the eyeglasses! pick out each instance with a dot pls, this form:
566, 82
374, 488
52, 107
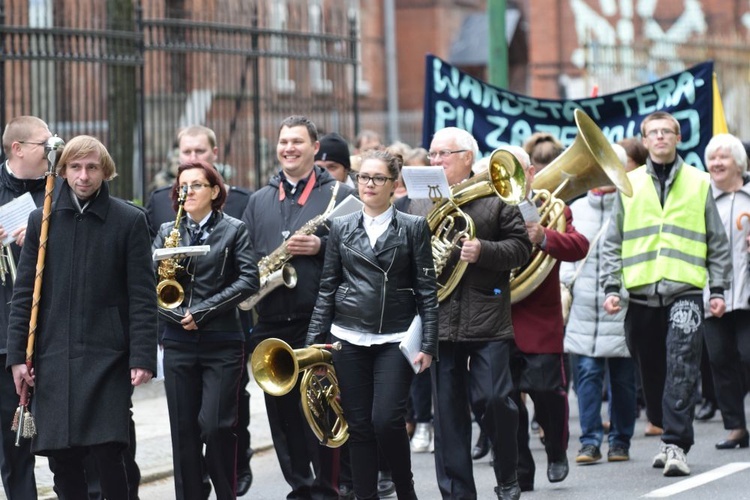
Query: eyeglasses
443, 153
663, 131
378, 180
195, 187
33, 143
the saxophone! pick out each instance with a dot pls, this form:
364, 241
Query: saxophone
274, 269
169, 293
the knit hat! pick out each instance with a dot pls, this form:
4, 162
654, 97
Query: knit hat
333, 147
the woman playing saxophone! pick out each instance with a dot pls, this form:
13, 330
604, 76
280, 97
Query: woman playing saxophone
203, 338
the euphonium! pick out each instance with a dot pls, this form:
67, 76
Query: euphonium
588, 163
169, 293
274, 269
449, 224
276, 366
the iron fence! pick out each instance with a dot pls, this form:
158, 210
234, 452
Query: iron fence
133, 73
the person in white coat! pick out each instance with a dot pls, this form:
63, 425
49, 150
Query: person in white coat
728, 337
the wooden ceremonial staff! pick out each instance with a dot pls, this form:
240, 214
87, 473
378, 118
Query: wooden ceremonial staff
23, 423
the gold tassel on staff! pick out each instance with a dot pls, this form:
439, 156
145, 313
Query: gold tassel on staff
24, 423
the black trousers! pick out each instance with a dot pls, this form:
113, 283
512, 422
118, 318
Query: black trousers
667, 342
69, 472
375, 382
728, 346
16, 463
310, 469
131, 468
244, 448
421, 397
202, 383
490, 383
543, 378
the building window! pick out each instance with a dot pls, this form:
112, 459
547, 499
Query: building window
280, 66
319, 82
355, 12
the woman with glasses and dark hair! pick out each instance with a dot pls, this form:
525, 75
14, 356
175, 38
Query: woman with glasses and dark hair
203, 338
377, 276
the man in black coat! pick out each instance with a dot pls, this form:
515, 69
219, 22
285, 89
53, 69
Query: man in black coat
196, 143
300, 192
95, 335
23, 144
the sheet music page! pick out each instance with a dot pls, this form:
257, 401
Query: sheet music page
425, 182
529, 211
15, 214
180, 252
346, 206
412, 343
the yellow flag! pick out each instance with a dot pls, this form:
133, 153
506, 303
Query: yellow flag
720, 121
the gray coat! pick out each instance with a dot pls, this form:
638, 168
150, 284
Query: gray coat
730, 206
97, 319
590, 330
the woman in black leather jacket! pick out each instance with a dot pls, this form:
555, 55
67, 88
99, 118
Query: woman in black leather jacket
203, 338
378, 274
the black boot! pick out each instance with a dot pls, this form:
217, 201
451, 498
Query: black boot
508, 491
482, 447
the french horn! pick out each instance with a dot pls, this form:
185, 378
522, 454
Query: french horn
276, 367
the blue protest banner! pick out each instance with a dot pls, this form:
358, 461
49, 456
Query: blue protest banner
497, 117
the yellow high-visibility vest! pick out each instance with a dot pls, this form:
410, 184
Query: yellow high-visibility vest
665, 242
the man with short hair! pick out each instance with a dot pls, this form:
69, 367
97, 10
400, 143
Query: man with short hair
274, 215
96, 327
476, 334
24, 139
665, 244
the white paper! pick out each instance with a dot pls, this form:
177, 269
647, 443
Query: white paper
348, 205
426, 182
15, 215
412, 343
529, 211
180, 252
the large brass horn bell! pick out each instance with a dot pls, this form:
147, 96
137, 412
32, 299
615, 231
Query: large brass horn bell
588, 163
276, 366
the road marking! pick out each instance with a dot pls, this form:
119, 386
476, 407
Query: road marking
698, 480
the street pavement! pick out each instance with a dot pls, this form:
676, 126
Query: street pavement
606, 481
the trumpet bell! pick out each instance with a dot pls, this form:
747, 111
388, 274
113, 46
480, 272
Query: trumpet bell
506, 177
169, 294
588, 163
276, 366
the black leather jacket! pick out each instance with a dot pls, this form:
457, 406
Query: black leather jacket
378, 290
216, 282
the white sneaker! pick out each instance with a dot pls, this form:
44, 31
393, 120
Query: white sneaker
420, 441
660, 459
676, 464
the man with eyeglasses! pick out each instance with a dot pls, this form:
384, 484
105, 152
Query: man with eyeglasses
23, 172
274, 215
665, 244
475, 330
